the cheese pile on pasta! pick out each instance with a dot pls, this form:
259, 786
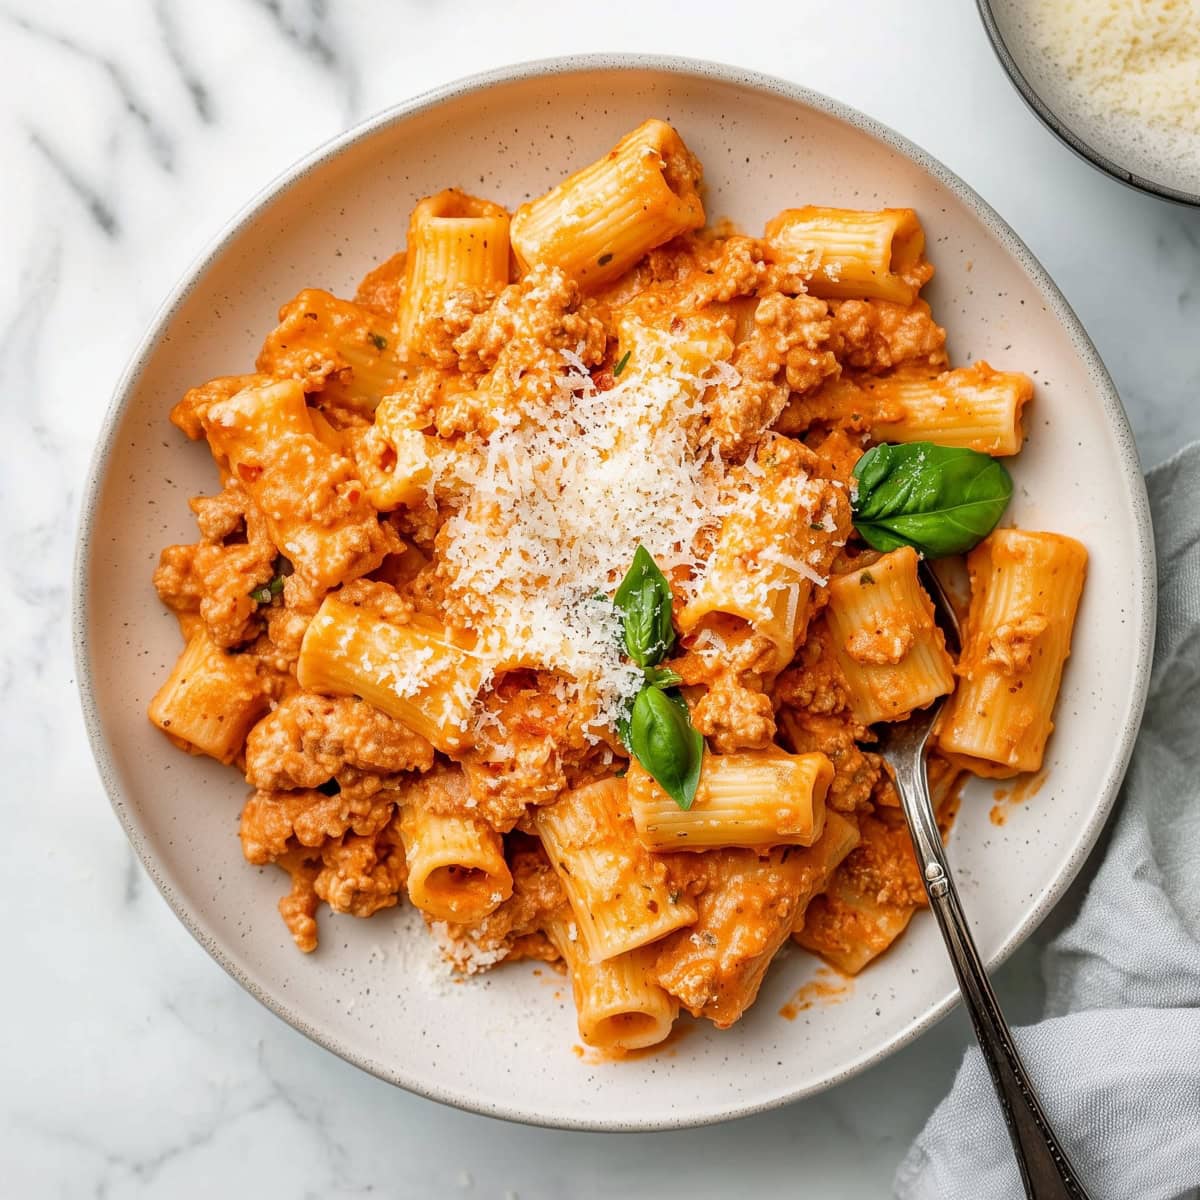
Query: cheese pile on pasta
558, 495
555, 582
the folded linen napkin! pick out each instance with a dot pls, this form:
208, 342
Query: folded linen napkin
1116, 1057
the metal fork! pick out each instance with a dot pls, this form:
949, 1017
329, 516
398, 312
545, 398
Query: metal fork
1046, 1171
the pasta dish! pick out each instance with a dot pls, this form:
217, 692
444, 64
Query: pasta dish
554, 584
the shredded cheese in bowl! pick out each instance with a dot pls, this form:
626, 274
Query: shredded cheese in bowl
1123, 75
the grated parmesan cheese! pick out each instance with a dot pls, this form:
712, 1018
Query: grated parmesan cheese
556, 501
771, 554
1125, 71
710, 647
416, 955
464, 955
405, 678
793, 604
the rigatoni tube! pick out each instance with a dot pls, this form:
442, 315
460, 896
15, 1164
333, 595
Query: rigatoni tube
868, 901
412, 672
974, 407
454, 240
823, 858
310, 496
335, 347
619, 1003
211, 699
597, 223
746, 913
686, 352
848, 254
1025, 590
396, 464
751, 798
456, 867
773, 544
619, 894
887, 643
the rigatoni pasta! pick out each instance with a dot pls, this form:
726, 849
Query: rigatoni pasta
686, 352
847, 253
621, 1006
397, 464
554, 583
862, 911
822, 859
745, 913
211, 699
339, 351
619, 895
891, 653
752, 798
454, 241
313, 504
595, 225
766, 562
456, 868
413, 672
1025, 590
976, 407
866, 901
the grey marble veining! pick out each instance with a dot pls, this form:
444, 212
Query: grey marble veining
131, 130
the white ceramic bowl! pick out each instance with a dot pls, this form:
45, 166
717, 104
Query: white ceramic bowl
502, 1045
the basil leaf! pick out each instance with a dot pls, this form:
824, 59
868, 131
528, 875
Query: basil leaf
663, 677
644, 600
622, 725
662, 739
938, 499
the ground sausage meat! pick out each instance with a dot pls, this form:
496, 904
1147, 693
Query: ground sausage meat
309, 740
876, 335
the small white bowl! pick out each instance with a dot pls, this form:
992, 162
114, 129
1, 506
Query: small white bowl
1119, 145
502, 1045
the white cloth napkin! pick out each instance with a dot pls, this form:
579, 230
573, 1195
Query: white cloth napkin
1116, 1057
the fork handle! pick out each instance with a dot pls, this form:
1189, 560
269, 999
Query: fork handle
1046, 1172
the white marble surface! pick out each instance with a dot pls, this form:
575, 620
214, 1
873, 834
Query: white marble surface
129, 1064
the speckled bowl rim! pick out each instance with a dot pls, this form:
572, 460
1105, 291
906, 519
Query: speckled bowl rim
1144, 616
1062, 130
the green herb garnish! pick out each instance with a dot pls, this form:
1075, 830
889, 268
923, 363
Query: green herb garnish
663, 677
940, 500
644, 602
621, 364
378, 341
657, 728
662, 739
266, 592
